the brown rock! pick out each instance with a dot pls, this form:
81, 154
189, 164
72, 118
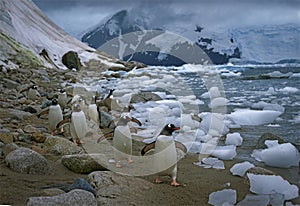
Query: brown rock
6, 138
38, 137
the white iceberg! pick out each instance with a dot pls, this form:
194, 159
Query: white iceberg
271, 184
222, 197
241, 168
254, 117
278, 155
234, 139
224, 152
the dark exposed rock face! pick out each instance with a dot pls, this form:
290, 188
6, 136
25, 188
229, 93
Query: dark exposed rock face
71, 60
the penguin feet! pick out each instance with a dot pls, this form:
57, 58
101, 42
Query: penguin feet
129, 160
77, 142
158, 181
175, 183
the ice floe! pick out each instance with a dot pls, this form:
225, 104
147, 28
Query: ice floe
222, 197
234, 139
210, 162
277, 155
271, 185
240, 169
253, 117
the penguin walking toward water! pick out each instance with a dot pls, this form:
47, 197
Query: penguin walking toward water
33, 93
122, 140
165, 155
54, 115
78, 124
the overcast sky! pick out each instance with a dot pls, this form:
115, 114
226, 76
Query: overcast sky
75, 16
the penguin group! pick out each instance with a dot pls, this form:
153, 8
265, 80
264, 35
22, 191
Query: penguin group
79, 113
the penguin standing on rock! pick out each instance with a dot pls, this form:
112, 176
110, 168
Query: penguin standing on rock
78, 125
33, 93
93, 111
62, 99
54, 115
165, 156
122, 140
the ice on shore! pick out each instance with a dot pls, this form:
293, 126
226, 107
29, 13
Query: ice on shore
253, 117
251, 200
241, 168
210, 162
215, 122
278, 155
234, 139
222, 197
272, 185
224, 152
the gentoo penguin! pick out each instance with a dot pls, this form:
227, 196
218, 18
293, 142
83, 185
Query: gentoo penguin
122, 140
93, 112
78, 125
165, 155
77, 99
62, 98
33, 93
54, 115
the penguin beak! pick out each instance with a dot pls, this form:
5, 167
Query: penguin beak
136, 121
175, 128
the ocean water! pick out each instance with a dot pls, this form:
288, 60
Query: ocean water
243, 86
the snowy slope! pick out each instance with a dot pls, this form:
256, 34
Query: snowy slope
262, 44
24, 22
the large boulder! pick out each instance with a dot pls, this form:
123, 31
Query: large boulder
115, 189
27, 161
60, 146
81, 163
267, 136
71, 60
144, 97
74, 197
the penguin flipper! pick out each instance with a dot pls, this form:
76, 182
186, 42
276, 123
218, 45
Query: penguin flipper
105, 136
180, 146
63, 122
147, 148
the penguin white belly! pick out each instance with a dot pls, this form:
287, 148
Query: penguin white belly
122, 142
33, 94
62, 100
55, 116
165, 156
93, 113
78, 126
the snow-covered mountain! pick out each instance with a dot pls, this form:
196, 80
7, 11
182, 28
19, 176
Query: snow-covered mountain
26, 33
261, 44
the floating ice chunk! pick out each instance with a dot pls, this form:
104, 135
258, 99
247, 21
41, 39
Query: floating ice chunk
278, 155
218, 102
234, 139
268, 106
214, 92
241, 168
213, 121
254, 117
226, 196
289, 90
210, 162
224, 152
250, 200
187, 120
295, 75
271, 184
296, 119
278, 74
